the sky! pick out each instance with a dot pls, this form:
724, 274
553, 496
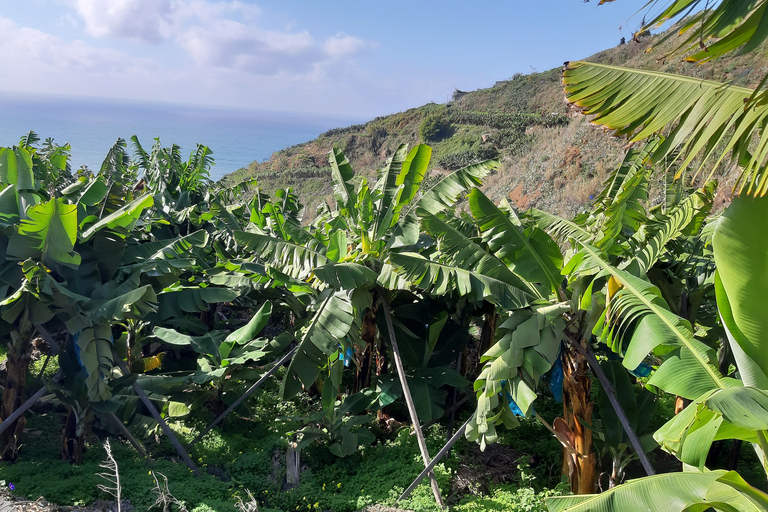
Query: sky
352, 58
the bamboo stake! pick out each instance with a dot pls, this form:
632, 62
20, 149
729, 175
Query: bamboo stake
411, 406
21, 410
245, 395
431, 466
127, 433
159, 419
610, 392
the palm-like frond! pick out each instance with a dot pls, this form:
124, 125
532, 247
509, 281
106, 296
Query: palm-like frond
328, 327
443, 279
728, 24
559, 228
671, 492
667, 227
458, 249
532, 254
116, 162
447, 191
711, 118
689, 374
295, 260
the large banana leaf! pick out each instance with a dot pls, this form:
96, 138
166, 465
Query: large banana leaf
328, 327
447, 191
711, 118
740, 245
458, 249
667, 227
390, 186
671, 492
16, 168
443, 279
48, 234
559, 228
120, 221
346, 276
343, 190
728, 25
690, 372
295, 260
531, 253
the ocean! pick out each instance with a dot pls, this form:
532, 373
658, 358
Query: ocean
236, 137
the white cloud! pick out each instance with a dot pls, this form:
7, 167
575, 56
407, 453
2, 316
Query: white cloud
144, 20
222, 35
341, 44
33, 51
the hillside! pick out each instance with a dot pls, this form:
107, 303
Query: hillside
551, 159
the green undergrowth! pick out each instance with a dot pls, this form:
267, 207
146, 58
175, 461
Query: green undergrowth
250, 454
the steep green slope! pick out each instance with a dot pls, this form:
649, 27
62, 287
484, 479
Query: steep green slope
551, 159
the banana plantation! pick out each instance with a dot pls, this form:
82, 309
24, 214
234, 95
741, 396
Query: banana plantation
408, 317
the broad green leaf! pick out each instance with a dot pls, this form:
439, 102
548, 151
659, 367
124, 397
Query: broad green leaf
124, 217
531, 253
337, 246
295, 260
343, 189
710, 119
328, 327
670, 492
16, 168
740, 245
640, 301
256, 324
446, 192
346, 276
48, 234
414, 169
442, 279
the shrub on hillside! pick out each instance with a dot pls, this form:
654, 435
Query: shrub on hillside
434, 128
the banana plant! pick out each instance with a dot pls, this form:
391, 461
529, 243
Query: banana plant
568, 302
714, 121
340, 424
348, 255
223, 356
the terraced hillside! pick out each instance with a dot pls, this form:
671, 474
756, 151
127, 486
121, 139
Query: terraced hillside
552, 158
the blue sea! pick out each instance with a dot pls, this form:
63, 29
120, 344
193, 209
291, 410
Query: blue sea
236, 137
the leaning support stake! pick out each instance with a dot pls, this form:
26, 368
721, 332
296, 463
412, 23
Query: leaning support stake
21, 410
245, 395
127, 433
610, 392
411, 406
156, 415
440, 455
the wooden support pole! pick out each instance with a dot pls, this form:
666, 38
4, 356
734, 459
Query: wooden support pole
245, 395
127, 433
610, 392
159, 419
22, 409
410, 404
440, 455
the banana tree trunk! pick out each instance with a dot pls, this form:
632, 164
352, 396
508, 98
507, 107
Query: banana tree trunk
17, 365
581, 464
73, 437
370, 355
